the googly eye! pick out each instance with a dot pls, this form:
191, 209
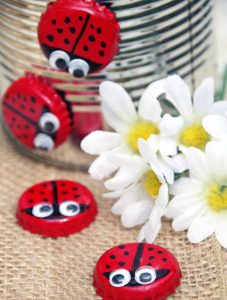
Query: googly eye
43, 142
145, 275
120, 277
69, 208
78, 68
49, 123
42, 210
59, 59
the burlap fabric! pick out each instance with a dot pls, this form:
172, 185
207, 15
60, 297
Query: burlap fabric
34, 268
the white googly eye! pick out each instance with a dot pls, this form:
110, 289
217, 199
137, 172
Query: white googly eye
42, 210
145, 275
44, 142
49, 123
59, 59
120, 277
69, 208
78, 68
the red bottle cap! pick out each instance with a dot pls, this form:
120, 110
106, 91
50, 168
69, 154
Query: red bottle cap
56, 208
136, 271
80, 36
35, 114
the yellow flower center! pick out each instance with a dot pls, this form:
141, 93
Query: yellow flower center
217, 197
151, 183
141, 129
195, 136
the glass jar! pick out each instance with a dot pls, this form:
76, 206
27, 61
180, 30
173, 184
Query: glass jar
157, 38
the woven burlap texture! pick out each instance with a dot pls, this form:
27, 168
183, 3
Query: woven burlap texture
36, 268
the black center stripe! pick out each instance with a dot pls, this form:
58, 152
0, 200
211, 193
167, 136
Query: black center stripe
81, 33
55, 192
20, 114
136, 262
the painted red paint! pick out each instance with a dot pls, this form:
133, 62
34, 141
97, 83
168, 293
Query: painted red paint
136, 271
80, 36
56, 208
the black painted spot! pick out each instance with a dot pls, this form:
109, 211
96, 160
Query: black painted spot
30, 200
77, 196
91, 38
75, 188
149, 264
62, 184
64, 193
112, 256
18, 96
22, 106
25, 136
122, 264
54, 22
85, 48
60, 30
80, 18
150, 249
25, 98
151, 257
41, 193
26, 126
99, 30
13, 119
67, 20
33, 100
72, 29
66, 41
31, 191
45, 200
160, 252
44, 185
103, 44
32, 110
50, 37
108, 266
164, 259
121, 247
126, 253
101, 53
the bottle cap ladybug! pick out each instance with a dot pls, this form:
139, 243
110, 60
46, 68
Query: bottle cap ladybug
35, 114
80, 36
56, 208
136, 271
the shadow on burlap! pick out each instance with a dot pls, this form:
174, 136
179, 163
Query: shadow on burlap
34, 268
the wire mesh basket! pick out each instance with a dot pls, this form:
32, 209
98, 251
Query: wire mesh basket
157, 38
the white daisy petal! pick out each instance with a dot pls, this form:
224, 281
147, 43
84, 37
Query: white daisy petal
123, 178
141, 235
136, 213
167, 171
221, 229
216, 126
197, 163
163, 196
219, 108
184, 220
146, 151
170, 126
127, 160
114, 194
101, 167
185, 185
179, 95
99, 141
202, 227
118, 101
216, 155
149, 107
182, 203
128, 198
177, 162
204, 97
168, 146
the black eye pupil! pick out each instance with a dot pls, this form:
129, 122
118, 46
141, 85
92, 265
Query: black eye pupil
72, 208
45, 208
118, 279
145, 277
78, 73
49, 126
61, 63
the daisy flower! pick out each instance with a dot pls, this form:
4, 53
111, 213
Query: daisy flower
187, 128
200, 201
141, 186
216, 126
129, 125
